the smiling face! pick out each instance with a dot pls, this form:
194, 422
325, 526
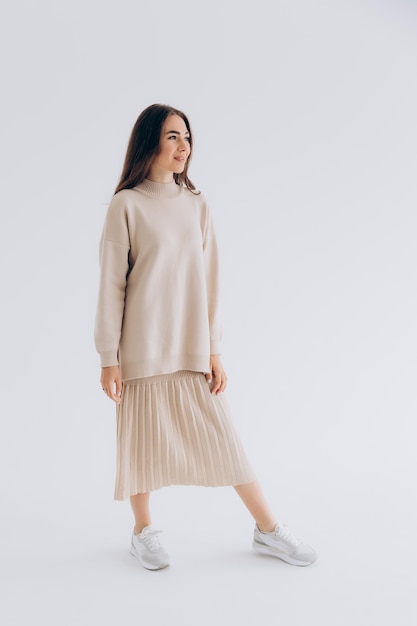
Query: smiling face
174, 150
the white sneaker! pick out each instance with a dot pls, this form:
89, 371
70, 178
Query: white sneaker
147, 549
282, 544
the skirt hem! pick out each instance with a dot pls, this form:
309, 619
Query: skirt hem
121, 498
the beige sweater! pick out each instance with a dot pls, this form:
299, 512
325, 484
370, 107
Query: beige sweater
158, 301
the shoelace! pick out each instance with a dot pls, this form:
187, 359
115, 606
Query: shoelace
285, 534
151, 539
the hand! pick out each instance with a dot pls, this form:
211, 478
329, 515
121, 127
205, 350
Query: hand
111, 383
220, 378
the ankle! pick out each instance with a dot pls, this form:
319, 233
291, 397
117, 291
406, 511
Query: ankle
139, 527
266, 528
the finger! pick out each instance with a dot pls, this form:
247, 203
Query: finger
114, 396
112, 390
222, 378
224, 383
217, 384
220, 386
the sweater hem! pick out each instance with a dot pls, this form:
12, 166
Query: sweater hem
156, 367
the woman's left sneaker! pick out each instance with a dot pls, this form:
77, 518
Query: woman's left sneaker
282, 544
146, 547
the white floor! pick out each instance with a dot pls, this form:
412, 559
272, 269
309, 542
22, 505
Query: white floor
76, 570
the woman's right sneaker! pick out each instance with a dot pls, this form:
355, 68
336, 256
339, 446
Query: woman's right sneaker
282, 544
146, 547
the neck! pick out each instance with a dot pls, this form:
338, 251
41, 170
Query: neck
160, 176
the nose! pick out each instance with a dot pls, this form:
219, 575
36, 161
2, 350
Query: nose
183, 145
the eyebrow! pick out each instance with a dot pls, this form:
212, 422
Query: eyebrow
175, 132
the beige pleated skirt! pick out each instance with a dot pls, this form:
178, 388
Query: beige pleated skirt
172, 431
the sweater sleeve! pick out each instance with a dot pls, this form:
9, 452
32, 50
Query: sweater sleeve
211, 259
114, 266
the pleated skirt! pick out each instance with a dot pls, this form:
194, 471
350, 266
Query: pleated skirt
172, 431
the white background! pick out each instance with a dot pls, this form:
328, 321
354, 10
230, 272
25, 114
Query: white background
305, 145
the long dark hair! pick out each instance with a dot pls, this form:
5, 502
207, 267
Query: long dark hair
144, 144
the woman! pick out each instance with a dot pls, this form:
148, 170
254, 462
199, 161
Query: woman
158, 333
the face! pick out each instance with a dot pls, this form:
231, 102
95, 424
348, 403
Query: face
174, 149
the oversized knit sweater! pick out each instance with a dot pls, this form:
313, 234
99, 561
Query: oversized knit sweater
158, 301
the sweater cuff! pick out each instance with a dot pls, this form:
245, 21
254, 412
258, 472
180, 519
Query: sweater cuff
215, 347
108, 359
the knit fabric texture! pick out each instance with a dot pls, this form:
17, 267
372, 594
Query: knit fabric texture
158, 307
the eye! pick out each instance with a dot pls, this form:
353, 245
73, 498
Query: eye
188, 139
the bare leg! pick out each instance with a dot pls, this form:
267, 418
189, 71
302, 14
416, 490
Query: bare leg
140, 507
254, 500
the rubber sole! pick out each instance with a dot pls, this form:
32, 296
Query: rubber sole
144, 563
275, 552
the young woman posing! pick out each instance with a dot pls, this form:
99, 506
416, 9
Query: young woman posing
158, 333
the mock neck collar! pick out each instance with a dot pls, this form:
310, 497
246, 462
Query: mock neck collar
159, 190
